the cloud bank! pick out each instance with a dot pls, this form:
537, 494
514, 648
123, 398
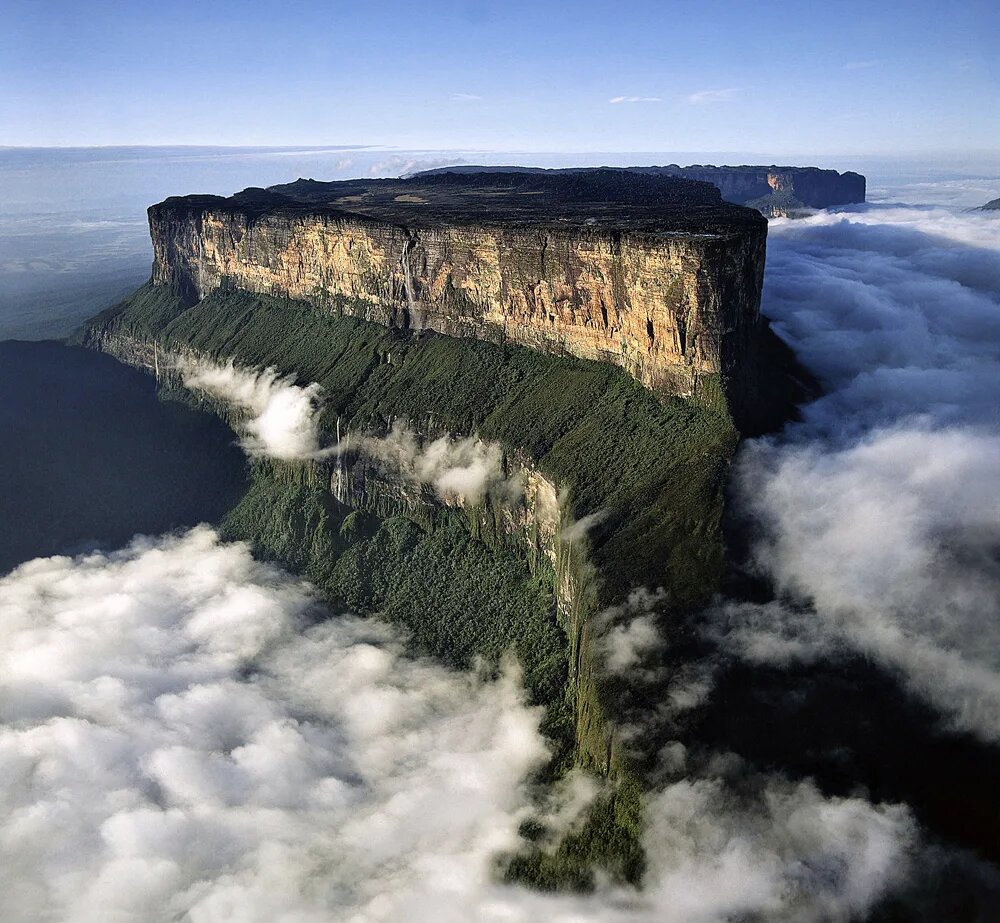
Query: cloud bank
790, 854
181, 741
893, 540
895, 308
185, 736
282, 418
879, 511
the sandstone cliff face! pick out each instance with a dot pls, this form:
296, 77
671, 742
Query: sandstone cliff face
672, 308
810, 186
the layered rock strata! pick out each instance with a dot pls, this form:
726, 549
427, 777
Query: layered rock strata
653, 273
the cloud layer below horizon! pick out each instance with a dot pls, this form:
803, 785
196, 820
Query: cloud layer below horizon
881, 509
186, 734
179, 737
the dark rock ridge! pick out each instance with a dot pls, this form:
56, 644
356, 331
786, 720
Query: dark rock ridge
991, 206
653, 273
775, 191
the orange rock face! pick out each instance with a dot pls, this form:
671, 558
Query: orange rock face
671, 308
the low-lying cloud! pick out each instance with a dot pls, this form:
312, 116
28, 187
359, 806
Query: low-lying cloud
629, 632
893, 540
281, 418
402, 165
464, 469
578, 529
895, 308
181, 739
879, 512
187, 734
783, 852
787, 854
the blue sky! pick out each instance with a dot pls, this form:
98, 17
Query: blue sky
834, 77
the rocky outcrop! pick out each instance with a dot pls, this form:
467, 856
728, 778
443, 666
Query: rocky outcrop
652, 273
779, 191
991, 206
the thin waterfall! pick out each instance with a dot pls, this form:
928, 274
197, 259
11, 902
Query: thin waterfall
339, 490
408, 281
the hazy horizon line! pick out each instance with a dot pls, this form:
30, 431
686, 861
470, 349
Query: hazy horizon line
943, 152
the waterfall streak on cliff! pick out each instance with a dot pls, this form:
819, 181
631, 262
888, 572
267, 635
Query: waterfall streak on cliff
413, 320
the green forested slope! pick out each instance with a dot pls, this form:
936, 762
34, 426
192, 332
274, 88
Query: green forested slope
653, 467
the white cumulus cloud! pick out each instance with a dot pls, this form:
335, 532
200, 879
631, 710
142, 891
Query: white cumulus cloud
181, 740
281, 417
186, 734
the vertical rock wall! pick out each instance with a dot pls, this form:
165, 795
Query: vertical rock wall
674, 309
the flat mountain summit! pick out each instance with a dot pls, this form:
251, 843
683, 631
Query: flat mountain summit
611, 199
775, 191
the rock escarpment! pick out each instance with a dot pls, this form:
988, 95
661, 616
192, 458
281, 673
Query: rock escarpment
778, 191
653, 273
775, 191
